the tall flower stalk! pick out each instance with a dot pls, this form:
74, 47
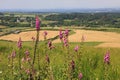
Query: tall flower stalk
36, 45
72, 69
11, 57
106, 64
19, 44
37, 38
69, 66
50, 72
80, 76
61, 37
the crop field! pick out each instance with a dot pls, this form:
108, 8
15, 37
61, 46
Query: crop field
108, 39
27, 36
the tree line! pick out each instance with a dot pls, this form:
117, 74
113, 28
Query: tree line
64, 19
85, 19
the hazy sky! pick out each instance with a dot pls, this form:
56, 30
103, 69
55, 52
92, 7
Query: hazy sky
58, 4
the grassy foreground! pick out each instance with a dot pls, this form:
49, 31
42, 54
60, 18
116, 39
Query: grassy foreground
90, 64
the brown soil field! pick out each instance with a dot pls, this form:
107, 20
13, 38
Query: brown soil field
27, 36
110, 39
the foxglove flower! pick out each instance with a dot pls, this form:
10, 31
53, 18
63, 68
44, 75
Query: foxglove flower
49, 44
37, 23
80, 76
66, 32
83, 38
76, 48
13, 54
28, 59
45, 33
27, 53
33, 38
65, 41
60, 35
19, 44
72, 65
47, 59
27, 71
107, 58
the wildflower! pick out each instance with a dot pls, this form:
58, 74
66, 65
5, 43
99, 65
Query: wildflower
76, 48
23, 60
80, 76
13, 54
60, 35
19, 44
33, 38
83, 38
45, 33
28, 59
107, 57
9, 56
37, 23
27, 53
66, 32
47, 59
65, 41
50, 44
72, 65
27, 71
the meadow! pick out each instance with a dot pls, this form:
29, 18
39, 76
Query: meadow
58, 54
58, 61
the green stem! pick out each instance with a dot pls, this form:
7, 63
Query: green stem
12, 66
35, 48
20, 63
39, 66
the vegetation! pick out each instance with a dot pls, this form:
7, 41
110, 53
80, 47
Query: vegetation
86, 19
61, 61
92, 61
63, 19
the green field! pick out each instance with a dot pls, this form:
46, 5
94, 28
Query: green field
91, 64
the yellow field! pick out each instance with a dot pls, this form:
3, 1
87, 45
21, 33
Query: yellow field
26, 36
109, 39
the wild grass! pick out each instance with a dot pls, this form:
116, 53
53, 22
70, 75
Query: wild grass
92, 61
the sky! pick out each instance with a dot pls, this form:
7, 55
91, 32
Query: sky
58, 4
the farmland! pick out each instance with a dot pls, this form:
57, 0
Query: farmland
108, 39
26, 36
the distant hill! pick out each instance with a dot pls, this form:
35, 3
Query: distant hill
64, 10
